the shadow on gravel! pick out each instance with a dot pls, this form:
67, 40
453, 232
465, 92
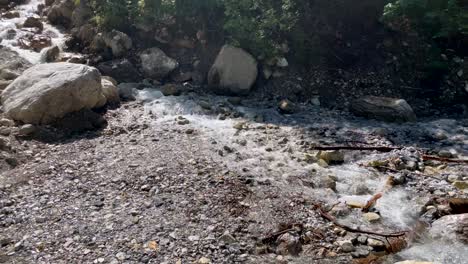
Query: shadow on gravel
74, 126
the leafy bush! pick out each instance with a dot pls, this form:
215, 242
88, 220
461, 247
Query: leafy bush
260, 25
433, 18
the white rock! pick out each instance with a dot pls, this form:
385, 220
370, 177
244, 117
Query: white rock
233, 72
156, 64
46, 92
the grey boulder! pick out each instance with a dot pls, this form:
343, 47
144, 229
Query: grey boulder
156, 64
233, 72
47, 92
383, 109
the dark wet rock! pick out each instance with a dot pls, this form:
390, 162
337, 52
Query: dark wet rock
287, 107
33, 22
50, 54
127, 91
171, 89
60, 13
383, 108
122, 70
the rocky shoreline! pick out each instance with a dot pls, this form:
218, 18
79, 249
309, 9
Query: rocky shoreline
141, 160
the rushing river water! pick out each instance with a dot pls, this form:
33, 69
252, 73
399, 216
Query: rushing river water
11, 31
399, 207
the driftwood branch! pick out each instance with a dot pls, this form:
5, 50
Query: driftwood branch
397, 171
377, 148
332, 219
428, 157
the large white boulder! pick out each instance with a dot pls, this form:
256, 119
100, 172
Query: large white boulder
156, 64
46, 92
233, 72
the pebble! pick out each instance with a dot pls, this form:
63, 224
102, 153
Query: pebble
121, 256
462, 185
371, 217
346, 246
204, 260
376, 244
27, 130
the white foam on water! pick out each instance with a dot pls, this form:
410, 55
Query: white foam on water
443, 252
57, 37
399, 211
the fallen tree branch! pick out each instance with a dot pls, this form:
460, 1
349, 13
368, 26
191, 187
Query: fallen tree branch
436, 158
397, 171
332, 219
377, 148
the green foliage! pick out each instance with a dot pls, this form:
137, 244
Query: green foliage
260, 25
433, 18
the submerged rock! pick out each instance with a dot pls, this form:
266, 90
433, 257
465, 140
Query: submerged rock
383, 108
451, 228
233, 72
121, 70
46, 92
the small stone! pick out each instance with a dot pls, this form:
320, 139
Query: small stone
331, 157
6, 122
371, 217
145, 188
171, 90
121, 256
360, 252
194, 238
27, 130
346, 246
288, 244
227, 238
453, 178
205, 105
354, 204
204, 260
376, 244
445, 154
287, 107
282, 62
462, 185
362, 240
322, 163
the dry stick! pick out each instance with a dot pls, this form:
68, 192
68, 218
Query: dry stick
397, 171
378, 148
330, 218
428, 157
